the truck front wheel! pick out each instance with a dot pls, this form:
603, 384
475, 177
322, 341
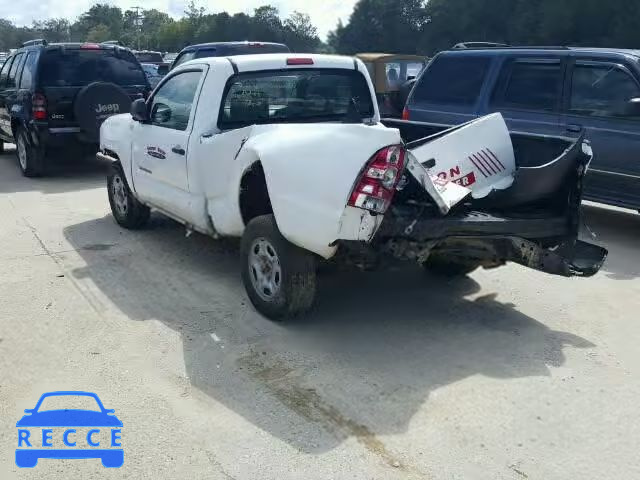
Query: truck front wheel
126, 208
279, 277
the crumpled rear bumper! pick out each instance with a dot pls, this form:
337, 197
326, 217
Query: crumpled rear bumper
580, 259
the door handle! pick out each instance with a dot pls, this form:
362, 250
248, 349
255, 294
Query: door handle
574, 127
178, 150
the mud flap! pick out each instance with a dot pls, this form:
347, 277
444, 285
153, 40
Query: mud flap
581, 259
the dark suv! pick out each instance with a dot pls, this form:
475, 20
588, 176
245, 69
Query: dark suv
54, 97
556, 91
227, 49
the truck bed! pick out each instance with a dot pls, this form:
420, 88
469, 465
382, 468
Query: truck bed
535, 222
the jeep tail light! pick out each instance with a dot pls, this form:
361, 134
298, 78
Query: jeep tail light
90, 46
377, 183
39, 106
405, 114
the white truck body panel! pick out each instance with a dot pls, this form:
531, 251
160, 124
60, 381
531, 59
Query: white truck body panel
478, 156
310, 168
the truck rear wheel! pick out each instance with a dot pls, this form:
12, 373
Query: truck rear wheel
446, 267
279, 277
126, 208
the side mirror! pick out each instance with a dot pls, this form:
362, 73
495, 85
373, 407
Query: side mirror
163, 70
28, 410
139, 110
632, 108
161, 113
109, 411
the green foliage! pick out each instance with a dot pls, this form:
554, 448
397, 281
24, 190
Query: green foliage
156, 30
426, 27
402, 26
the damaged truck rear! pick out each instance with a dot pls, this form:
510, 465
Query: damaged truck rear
290, 154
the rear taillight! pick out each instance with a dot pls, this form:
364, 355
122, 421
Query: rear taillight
376, 186
405, 114
39, 106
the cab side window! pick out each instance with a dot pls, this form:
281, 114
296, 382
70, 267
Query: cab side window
172, 103
13, 72
529, 84
4, 73
602, 90
453, 80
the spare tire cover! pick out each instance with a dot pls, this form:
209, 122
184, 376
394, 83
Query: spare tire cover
96, 102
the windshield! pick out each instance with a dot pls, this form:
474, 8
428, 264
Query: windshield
398, 72
80, 67
295, 96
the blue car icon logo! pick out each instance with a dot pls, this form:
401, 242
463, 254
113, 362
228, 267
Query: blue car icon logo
69, 433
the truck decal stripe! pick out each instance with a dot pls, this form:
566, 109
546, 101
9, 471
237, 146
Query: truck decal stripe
492, 171
485, 170
486, 157
478, 167
496, 158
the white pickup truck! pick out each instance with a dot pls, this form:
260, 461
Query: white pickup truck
289, 152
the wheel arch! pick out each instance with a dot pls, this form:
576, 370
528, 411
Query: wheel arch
253, 196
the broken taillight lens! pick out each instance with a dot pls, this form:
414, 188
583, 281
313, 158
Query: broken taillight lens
376, 186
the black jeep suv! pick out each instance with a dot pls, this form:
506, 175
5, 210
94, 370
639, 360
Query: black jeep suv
54, 97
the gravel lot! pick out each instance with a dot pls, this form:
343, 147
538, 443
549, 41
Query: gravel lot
508, 374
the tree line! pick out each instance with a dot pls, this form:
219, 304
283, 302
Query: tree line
426, 27
395, 26
155, 30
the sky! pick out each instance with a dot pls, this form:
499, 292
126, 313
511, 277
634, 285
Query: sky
324, 13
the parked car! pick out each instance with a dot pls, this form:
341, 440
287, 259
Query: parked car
153, 76
389, 73
303, 171
227, 49
54, 97
153, 58
169, 57
551, 91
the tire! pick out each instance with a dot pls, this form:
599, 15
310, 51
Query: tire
441, 265
127, 210
95, 103
31, 159
290, 271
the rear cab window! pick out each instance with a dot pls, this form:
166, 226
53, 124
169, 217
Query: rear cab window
295, 96
454, 80
529, 83
77, 67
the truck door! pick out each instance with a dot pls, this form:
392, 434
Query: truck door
528, 93
598, 103
161, 146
